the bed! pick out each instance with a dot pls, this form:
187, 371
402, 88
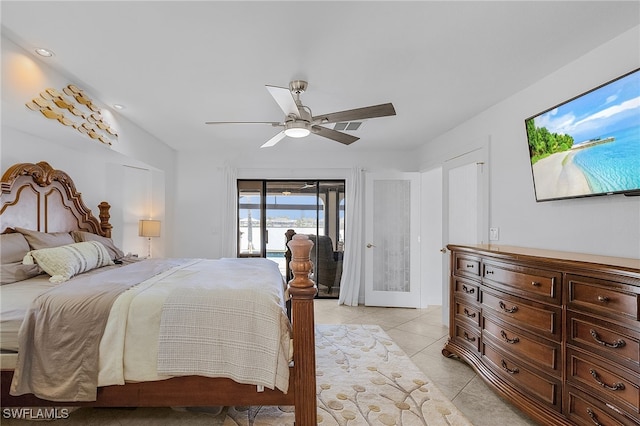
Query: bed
40, 203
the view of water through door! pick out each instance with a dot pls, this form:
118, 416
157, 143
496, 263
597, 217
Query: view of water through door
267, 209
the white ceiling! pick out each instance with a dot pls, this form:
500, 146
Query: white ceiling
177, 64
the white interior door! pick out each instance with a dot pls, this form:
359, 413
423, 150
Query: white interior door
465, 208
392, 240
463, 204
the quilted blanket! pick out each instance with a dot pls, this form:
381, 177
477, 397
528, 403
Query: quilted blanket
239, 323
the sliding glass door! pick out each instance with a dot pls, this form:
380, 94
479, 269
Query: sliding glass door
267, 209
250, 217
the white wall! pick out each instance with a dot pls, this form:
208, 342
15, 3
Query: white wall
607, 225
200, 188
432, 259
97, 169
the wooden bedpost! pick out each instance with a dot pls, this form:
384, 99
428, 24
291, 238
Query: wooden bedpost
303, 292
104, 218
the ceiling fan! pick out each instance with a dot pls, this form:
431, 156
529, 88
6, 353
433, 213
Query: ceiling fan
308, 185
299, 121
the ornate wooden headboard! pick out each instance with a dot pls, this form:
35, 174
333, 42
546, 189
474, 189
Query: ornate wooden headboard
38, 197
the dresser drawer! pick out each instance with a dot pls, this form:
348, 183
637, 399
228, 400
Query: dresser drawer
468, 336
539, 284
537, 317
535, 350
468, 312
611, 383
583, 409
611, 341
526, 380
465, 265
466, 288
607, 298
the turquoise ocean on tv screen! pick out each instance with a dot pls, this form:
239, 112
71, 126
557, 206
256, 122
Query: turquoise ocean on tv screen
613, 166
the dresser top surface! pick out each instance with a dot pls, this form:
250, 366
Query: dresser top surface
527, 252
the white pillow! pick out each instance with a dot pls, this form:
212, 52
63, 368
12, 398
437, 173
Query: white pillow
64, 262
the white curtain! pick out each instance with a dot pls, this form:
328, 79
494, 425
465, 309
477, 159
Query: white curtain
353, 252
229, 221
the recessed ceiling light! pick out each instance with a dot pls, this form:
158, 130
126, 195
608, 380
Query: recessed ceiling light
44, 52
118, 106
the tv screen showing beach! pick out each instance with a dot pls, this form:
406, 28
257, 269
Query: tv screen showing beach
589, 145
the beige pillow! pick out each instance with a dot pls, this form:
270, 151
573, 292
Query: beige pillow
64, 262
114, 252
16, 271
40, 240
13, 247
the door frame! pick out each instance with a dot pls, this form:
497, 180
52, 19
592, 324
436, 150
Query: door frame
479, 155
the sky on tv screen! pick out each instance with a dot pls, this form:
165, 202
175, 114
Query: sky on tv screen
610, 108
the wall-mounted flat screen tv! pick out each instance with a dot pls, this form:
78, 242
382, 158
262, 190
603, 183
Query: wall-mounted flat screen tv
588, 145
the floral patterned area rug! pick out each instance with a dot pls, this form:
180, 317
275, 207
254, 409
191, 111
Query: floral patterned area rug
363, 378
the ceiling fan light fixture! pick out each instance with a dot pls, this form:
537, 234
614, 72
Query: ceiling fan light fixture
296, 129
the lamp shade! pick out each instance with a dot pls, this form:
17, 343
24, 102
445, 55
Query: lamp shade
149, 228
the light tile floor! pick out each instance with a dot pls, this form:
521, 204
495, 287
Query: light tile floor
420, 333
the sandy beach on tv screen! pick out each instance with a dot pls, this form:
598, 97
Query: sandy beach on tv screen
556, 176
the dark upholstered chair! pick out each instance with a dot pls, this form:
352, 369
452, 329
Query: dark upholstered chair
326, 266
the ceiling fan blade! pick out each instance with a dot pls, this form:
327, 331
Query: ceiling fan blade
343, 138
285, 100
274, 140
382, 110
272, 123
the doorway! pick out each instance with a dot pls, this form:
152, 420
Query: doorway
268, 209
465, 207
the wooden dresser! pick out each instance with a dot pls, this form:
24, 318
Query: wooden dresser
556, 333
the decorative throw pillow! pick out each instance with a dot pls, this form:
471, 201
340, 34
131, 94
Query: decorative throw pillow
41, 240
114, 252
64, 262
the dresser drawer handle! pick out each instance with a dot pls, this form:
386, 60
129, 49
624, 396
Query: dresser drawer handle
617, 344
488, 272
615, 387
470, 265
603, 299
508, 310
469, 314
468, 290
506, 339
594, 418
514, 371
535, 283
468, 338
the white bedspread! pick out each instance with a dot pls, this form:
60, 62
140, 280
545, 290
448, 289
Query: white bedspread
239, 324
247, 310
